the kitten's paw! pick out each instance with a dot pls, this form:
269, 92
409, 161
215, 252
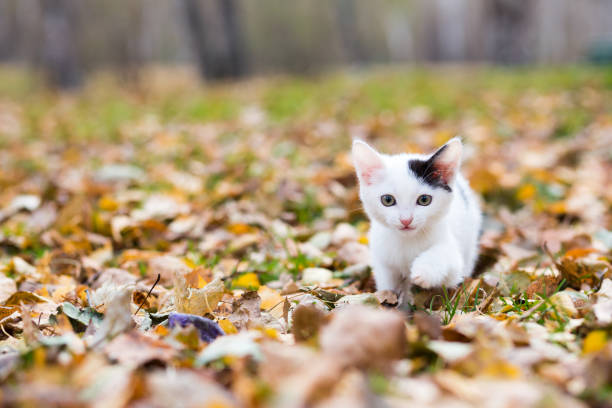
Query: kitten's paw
388, 298
454, 280
420, 278
426, 275
422, 281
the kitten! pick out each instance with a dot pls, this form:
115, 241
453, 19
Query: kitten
425, 219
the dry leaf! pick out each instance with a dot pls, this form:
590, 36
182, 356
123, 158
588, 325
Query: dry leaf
364, 337
196, 301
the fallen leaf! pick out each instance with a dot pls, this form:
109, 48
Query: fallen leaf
315, 276
81, 318
118, 316
7, 288
594, 341
134, 349
271, 300
208, 329
306, 322
246, 310
196, 301
246, 281
364, 337
227, 326
237, 345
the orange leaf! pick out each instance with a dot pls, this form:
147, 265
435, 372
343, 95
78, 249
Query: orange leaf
579, 252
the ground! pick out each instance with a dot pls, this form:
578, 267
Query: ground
172, 244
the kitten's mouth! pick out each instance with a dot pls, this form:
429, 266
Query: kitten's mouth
406, 228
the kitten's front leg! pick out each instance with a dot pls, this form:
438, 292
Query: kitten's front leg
438, 265
387, 278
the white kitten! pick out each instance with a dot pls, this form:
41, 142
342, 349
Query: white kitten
425, 219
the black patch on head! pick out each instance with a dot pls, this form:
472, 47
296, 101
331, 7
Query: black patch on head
427, 172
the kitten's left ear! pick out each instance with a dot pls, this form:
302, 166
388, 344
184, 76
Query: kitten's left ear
447, 159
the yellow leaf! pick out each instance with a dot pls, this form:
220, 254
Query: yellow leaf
40, 357
483, 180
544, 176
502, 369
44, 292
270, 298
526, 192
195, 278
269, 332
557, 207
196, 301
594, 341
201, 282
189, 263
108, 203
246, 281
82, 293
227, 326
161, 330
239, 229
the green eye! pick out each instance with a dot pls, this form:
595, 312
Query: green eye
424, 199
387, 200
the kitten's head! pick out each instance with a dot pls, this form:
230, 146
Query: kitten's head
406, 192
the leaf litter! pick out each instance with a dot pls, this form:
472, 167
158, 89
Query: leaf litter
177, 261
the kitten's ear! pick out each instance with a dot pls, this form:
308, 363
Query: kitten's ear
447, 159
367, 161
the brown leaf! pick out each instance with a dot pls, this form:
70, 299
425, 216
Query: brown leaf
362, 336
428, 324
21, 297
246, 310
544, 286
580, 272
136, 348
307, 321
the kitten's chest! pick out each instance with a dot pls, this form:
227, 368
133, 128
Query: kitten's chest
396, 251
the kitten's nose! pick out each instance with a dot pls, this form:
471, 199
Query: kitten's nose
406, 221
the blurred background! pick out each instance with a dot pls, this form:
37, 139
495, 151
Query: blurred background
67, 40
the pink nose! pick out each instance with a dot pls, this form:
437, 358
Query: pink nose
406, 222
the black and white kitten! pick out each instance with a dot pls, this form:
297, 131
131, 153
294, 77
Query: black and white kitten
425, 219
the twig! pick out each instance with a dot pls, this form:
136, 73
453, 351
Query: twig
550, 255
148, 294
529, 312
484, 305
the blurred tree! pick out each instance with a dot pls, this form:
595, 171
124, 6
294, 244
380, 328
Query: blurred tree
7, 28
346, 18
509, 22
59, 57
226, 38
215, 31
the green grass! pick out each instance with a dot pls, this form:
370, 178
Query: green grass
104, 106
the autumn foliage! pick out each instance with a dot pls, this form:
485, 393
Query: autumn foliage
179, 245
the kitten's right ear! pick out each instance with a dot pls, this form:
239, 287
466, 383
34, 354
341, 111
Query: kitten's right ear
367, 161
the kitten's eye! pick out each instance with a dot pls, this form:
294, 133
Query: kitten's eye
387, 200
424, 199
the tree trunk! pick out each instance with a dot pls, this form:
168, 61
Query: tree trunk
7, 30
216, 36
509, 24
346, 18
59, 49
